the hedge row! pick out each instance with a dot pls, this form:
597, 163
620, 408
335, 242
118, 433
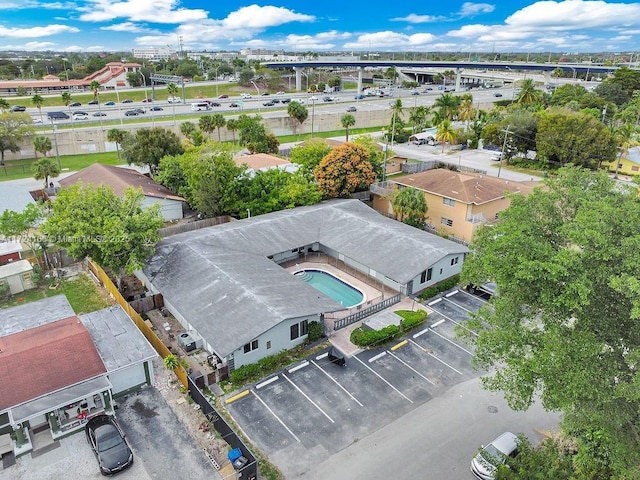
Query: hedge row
364, 337
434, 290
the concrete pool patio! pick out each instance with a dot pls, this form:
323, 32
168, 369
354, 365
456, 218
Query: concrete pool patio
341, 338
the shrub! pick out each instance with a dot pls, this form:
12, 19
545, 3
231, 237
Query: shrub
432, 291
171, 362
410, 319
316, 332
364, 337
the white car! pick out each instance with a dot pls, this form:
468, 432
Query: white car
174, 100
486, 462
245, 96
80, 116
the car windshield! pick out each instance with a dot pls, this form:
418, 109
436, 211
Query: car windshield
492, 455
108, 438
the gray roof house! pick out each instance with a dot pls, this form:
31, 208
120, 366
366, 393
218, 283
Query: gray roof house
59, 369
14, 198
226, 286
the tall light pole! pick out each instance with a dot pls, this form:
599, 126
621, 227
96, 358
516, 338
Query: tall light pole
257, 90
216, 70
54, 127
313, 112
144, 84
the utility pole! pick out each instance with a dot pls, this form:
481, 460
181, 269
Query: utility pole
504, 146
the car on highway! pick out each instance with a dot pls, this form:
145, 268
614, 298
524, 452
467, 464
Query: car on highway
234, 105
327, 99
18, 108
36, 120
109, 444
224, 95
280, 92
93, 102
415, 92
489, 458
99, 114
359, 96
285, 100
497, 94
80, 116
174, 100
57, 116
75, 104
147, 100
269, 104
110, 104
127, 100
352, 109
156, 108
245, 96
131, 113
265, 94
141, 111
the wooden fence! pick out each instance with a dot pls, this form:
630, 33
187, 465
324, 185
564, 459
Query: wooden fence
149, 334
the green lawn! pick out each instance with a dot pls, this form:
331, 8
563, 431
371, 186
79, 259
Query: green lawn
82, 293
15, 169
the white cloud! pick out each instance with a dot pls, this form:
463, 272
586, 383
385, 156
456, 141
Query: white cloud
414, 18
320, 41
34, 4
255, 16
156, 11
470, 31
470, 9
36, 32
128, 27
389, 40
30, 46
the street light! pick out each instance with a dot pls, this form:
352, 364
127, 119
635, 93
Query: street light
216, 70
54, 127
144, 83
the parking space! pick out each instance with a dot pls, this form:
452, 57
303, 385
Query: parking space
317, 408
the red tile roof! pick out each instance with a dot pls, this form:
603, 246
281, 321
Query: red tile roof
118, 179
45, 359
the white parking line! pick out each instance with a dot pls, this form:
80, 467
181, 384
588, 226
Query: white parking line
276, 417
452, 343
376, 357
441, 361
451, 294
435, 301
421, 332
338, 383
459, 306
410, 368
266, 382
298, 367
457, 323
381, 378
307, 397
439, 322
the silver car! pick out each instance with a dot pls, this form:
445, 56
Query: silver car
485, 463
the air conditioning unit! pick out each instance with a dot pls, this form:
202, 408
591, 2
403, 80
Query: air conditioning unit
186, 342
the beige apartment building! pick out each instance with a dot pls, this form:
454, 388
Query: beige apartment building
458, 203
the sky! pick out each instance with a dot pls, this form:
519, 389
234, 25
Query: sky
569, 26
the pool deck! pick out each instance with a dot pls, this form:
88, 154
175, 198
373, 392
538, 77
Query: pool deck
340, 338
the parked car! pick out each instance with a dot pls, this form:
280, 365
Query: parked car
75, 104
99, 114
485, 463
156, 108
109, 444
110, 104
127, 100
18, 108
352, 109
93, 102
496, 157
131, 113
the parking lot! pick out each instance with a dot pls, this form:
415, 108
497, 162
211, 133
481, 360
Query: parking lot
308, 412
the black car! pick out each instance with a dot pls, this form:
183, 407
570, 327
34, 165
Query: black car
127, 100
109, 444
268, 104
93, 102
18, 108
214, 104
352, 109
285, 100
99, 114
57, 116
156, 109
140, 111
75, 104
131, 113
234, 105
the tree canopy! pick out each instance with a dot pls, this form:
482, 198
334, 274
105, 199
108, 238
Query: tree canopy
344, 170
149, 145
565, 322
14, 127
115, 231
254, 135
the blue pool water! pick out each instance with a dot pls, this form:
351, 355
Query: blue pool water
332, 287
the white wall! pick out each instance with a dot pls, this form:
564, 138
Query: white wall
169, 209
126, 378
440, 271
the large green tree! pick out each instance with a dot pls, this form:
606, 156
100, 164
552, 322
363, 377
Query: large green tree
566, 137
309, 154
41, 144
115, 231
149, 145
565, 324
344, 170
254, 135
118, 137
14, 128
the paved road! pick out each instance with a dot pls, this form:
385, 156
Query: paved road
436, 440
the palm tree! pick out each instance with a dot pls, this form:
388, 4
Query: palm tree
116, 135
410, 206
445, 133
66, 98
625, 137
172, 89
447, 105
38, 101
528, 93
205, 123
41, 144
297, 113
465, 109
397, 110
218, 122
187, 128
347, 120
45, 168
95, 88
232, 126
419, 118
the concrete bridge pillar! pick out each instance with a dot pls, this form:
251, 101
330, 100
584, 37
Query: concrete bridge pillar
298, 71
360, 72
458, 77
547, 77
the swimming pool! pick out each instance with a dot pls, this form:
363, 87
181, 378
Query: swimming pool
332, 287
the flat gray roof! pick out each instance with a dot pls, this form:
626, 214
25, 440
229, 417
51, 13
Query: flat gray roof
33, 314
14, 198
221, 281
118, 341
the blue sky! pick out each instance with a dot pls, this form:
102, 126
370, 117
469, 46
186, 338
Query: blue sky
347, 25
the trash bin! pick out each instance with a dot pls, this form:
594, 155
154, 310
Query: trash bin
234, 454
